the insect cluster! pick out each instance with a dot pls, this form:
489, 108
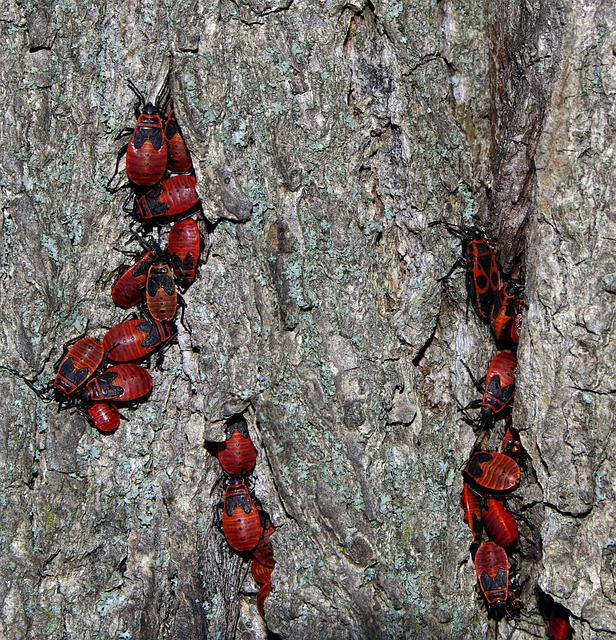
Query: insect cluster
246, 525
489, 476
163, 191
160, 172
98, 377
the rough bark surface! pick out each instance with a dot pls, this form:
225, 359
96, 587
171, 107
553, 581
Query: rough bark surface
326, 136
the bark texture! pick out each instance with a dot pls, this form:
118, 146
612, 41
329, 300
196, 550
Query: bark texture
326, 136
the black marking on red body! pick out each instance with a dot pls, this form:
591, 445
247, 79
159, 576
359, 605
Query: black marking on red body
155, 206
157, 332
145, 133
161, 280
495, 588
475, 469
108, 389
76, 376
241, 500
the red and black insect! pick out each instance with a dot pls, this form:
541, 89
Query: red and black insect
240, 517
493, 471
483, 279
80, 362
185, 248
237, 454
264, 552
146, 151
160, 292
510, 444
104, 416
492, 568
506, 317
179, 160
129, 290
483, 274
499, 387
136, 339
174, 197
121, 383
500, 525
470, 501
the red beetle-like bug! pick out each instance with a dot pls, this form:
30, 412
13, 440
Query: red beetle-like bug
146, 153
483, 274
240, 518
184, 247
493, 471
507, 313
492, 568
483, 278
129, 290
137, 338
500, 525
264, 552
237, 454
121, 383
470, 501
160, 293
79, 364
499, 387
179, 156
104, 416
560, 627
176, 196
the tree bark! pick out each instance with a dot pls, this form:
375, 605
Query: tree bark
326, 137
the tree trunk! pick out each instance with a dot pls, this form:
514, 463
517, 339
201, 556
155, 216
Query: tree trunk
326, 136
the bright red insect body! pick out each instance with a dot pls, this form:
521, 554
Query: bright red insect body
185, 249
507, 313
240, 518
179, 156
493, 471
237, 454
560, 627
499, 387
264, 591
105, 416
80, 362
492, 568
121, 383
264, 552
175, 196
470, 502
499, 524
129, 290
260, 572
146, 154
135, 339
160, 292
483, 279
